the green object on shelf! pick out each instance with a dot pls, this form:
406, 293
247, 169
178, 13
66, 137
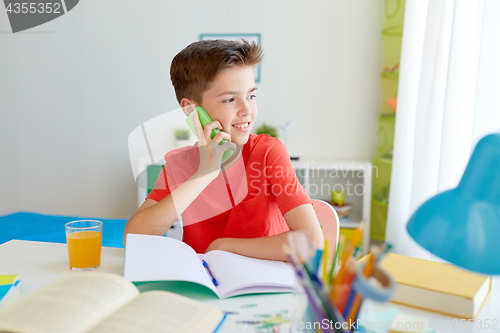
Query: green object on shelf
182, 133
338, 198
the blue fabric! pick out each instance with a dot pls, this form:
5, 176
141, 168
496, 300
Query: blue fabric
50, 228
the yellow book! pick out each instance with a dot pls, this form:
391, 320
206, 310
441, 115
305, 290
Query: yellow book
436, 286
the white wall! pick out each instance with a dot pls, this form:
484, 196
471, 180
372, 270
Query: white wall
73, 89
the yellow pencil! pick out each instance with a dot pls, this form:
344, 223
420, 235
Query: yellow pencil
325, 260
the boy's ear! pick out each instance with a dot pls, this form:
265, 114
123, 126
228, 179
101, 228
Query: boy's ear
187, 106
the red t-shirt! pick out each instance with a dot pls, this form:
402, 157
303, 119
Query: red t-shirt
246, 201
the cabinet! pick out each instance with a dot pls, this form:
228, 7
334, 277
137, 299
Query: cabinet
353, 177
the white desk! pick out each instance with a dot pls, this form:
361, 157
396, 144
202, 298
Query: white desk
40, 264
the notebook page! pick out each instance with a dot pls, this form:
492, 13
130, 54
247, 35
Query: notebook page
158, 258
234, 273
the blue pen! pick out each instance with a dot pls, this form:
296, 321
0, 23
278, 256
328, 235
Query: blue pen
210, 273
348, 305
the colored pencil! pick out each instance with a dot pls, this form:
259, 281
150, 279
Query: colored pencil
325, 260
346, 288
308, 288
330, 309
339, 249
348, 251
317, 260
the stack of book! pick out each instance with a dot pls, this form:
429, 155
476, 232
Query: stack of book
437, 286
343, 211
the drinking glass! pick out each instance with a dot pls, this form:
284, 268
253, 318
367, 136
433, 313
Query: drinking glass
84, 238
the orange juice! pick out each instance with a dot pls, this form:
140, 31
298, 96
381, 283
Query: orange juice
84, 249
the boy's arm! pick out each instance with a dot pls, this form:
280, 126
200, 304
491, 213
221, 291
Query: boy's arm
300, 218
155, 218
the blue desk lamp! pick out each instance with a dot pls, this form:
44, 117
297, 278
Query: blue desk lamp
462, 225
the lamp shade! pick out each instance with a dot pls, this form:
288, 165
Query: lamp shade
462, 225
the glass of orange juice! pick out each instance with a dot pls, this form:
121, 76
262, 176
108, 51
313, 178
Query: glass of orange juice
84, 240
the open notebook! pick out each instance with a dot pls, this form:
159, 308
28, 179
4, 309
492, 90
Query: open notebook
156, 258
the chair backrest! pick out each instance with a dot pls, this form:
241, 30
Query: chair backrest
149, 142
329, 220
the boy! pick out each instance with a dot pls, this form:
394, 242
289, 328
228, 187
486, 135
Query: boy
251, 205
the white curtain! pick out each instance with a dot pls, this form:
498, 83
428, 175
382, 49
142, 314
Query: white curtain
448, 99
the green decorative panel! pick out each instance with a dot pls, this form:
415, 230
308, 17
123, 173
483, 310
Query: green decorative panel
385, 136
392, 32
382, 168
378, 220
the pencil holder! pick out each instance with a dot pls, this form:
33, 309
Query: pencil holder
382, 291
362, 286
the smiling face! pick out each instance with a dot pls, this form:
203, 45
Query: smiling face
230, 99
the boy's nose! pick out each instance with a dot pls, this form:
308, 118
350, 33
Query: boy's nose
244, 110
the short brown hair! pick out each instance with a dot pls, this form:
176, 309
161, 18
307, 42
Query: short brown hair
195, 67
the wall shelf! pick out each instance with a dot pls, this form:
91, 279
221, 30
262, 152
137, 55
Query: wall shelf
354, 177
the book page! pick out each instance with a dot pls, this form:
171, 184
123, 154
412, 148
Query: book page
161, 311
158, 258
238, 275
69, 305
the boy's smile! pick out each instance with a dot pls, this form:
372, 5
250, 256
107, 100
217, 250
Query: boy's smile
230, 99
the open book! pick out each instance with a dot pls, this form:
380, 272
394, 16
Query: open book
102, 302
157, 258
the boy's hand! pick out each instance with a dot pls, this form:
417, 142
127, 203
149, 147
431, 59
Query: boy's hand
209, 149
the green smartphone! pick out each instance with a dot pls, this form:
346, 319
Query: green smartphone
205, 119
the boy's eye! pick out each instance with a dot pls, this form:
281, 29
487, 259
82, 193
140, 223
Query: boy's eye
229, 100
252, 97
